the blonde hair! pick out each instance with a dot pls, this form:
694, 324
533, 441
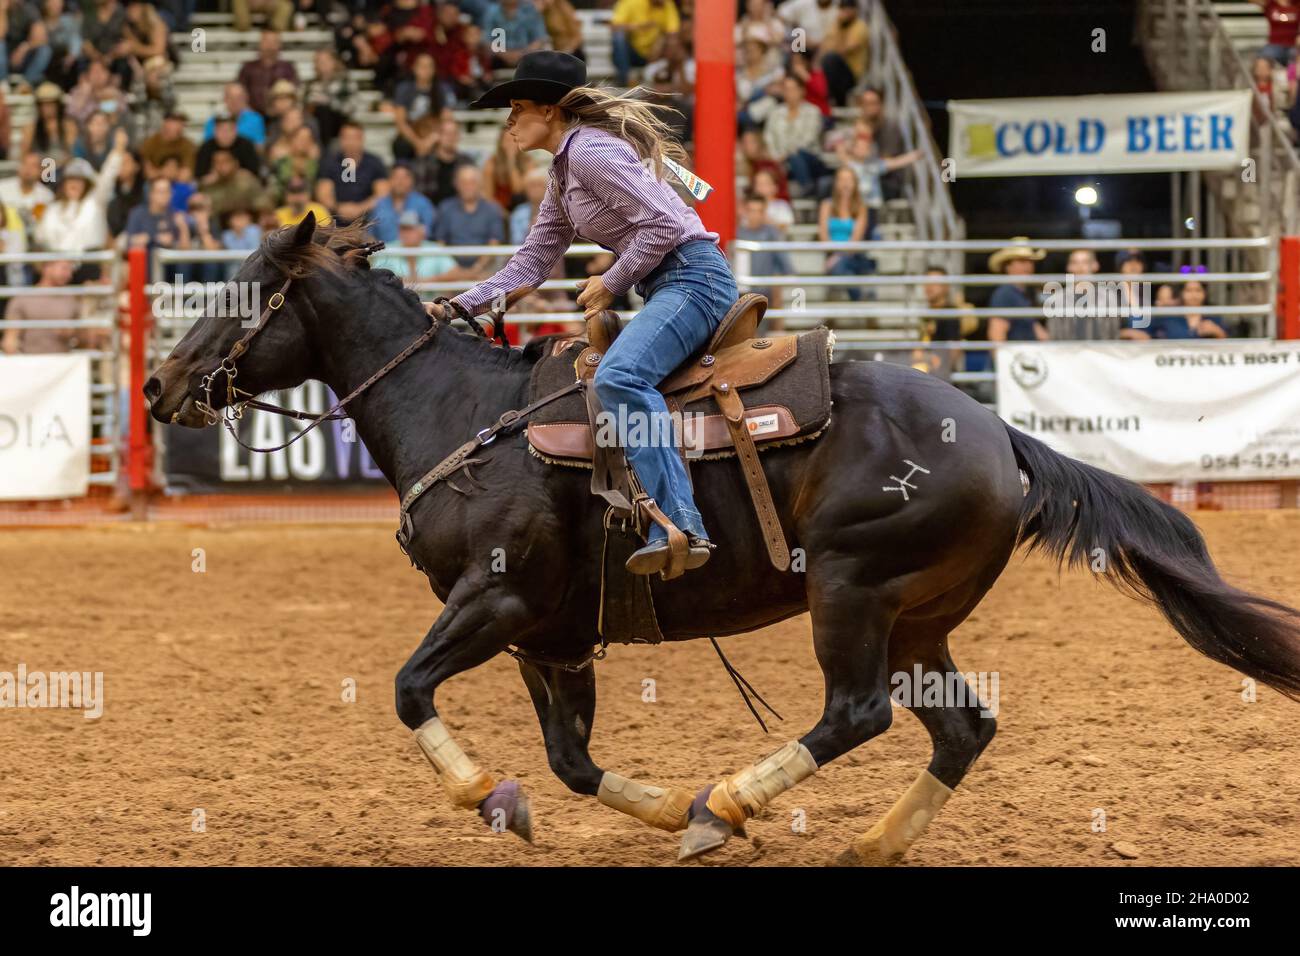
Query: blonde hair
630, 117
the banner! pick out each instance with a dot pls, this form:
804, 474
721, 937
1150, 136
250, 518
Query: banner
44, 426
1128, 133
1157, 412
209, 460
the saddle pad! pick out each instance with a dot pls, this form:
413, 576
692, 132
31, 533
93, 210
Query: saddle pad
794, 404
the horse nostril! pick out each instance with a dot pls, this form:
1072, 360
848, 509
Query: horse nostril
153, 389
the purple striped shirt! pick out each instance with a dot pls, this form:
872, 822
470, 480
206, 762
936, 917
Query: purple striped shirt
608, 197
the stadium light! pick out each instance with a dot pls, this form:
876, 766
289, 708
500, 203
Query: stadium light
1086, 195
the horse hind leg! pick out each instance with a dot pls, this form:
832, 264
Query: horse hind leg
960, 727
851, 626
565, 701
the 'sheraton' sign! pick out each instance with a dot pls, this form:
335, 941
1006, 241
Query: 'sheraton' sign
1130, 133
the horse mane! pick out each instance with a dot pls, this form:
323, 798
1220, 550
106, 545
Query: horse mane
333, 248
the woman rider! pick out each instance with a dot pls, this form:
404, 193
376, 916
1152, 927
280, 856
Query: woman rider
607, 186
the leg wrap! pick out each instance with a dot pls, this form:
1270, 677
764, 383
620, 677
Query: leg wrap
465, 782
657, 806
888, 840
743, 794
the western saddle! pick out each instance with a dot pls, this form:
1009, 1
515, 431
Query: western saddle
734, 359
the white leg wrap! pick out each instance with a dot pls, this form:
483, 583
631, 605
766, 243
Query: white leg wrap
744, 794
465, 782
889, 839
665, 808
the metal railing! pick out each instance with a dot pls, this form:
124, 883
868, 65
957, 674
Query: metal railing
107, 410
1188, 48
933, 211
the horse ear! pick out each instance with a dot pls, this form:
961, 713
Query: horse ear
304, 231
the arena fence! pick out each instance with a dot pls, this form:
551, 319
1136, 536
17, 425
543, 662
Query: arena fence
891, 327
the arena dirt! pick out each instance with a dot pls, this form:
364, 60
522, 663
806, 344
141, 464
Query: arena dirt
223, 694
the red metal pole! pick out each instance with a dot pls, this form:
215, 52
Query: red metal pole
715, 114
1289, 288
140, 446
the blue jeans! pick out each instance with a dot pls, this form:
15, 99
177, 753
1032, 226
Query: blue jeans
624, 56
686, 297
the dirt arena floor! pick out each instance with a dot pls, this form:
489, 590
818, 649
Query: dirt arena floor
223, 693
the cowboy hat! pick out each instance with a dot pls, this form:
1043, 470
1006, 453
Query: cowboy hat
48, 91
543, 76
1019, 249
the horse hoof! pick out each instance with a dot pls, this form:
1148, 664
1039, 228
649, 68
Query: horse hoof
507, 808
867, 852
706, 831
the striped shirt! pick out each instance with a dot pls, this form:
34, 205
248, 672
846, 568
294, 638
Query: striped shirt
607, 197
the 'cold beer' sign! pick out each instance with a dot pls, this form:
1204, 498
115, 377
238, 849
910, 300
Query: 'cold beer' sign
1131, 133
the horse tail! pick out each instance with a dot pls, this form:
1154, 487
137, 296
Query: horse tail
1152, 551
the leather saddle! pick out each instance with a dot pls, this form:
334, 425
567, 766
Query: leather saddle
738, 393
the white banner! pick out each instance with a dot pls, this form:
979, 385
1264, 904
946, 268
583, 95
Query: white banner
1128, 133
1152, 411
44, 425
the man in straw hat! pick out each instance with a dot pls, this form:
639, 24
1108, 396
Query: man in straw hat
1016, 261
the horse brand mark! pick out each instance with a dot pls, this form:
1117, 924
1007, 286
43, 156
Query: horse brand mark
905, 483
1029, 371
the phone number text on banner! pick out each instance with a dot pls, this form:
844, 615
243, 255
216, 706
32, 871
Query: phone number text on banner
1156, 412
1127, 133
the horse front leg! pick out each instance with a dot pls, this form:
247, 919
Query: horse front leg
477, 623
565, 701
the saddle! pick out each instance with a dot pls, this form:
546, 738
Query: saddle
738, 395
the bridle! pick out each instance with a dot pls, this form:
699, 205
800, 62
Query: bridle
235, 405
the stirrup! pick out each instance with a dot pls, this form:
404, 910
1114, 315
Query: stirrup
654, 558
676, 551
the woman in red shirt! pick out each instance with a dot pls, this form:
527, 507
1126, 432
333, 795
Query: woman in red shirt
1283, 24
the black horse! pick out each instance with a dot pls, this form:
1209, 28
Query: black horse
904, 511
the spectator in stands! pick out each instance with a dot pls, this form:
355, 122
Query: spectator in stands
297, 203
226, 136
279, 13
470, 219
639, 28
259, 75
673, 77
95, 143
504, 172
328, 95
128, 192
13, 240
435, 172
1283, 24
755, 79
1090, 320
230, 186
409, 26
779, 212
64, 32
562, 26
145, 36
402, 198
759, 23
861, 156
754, 153
241, 232
298, 159
24, 192
169, 141
46, 308
351, 180
1193, 325
756, 227
96, 89
103, 32
26, 41
844, 51
282, 99
418, 104
513, 28
154, 223
205, 235
453, 52
51, 133
524, 215
248, 122
844, 217
410, 266
1017, 262
183, 184
816, 18
792, 132
280, 135
939, 295
77, 221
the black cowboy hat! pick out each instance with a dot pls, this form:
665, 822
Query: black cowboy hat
543, 76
